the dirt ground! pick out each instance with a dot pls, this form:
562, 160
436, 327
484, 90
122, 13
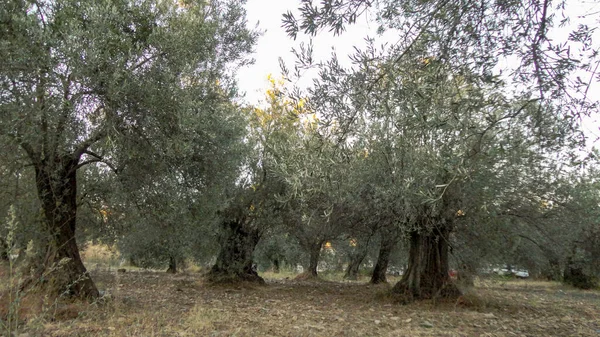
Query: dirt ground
144, 303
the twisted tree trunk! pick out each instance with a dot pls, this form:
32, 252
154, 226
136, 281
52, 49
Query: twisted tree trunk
172, 269
3, 250
355, 258
234, 262
315, 254
61, 271
383, 260
276, 265
427, 272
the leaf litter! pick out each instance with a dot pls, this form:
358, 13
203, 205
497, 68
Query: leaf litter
145, 303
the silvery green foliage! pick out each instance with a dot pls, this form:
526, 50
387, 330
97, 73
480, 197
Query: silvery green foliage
143, 89
478, 36
471, 114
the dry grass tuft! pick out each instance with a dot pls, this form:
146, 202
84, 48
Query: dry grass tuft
202, 320
96, 255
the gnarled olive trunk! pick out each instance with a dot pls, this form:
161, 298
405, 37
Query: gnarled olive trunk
383, 260
355, 260
427, 272
234, 262
356, 257
172, 269
61, 271
3, 250
276, 265
315, 254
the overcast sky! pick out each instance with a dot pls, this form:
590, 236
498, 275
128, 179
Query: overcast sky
274, 43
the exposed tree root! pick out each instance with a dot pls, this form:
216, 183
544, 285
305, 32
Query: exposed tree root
402, 293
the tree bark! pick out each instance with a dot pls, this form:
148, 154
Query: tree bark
383, 260
234, 262
576, 274
62, 271
356, 257
315, 254
172, 265
3, 250
354, 266
276, 265
427, 272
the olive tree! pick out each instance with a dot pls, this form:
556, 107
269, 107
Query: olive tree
447, 119
81, 81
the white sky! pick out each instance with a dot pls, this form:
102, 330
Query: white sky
275, 43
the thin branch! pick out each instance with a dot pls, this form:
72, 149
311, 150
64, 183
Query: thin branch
401, 56
539, 36
31, 153
97, 160
41, 102
141, 64
87, 162
98, 135
34, 156
477, 150
62, 120
93, 154
590, 82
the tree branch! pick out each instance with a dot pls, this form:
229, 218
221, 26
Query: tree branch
41, 102
97, 159
535, 48
141, 64
30, 151
62, 119
83, 147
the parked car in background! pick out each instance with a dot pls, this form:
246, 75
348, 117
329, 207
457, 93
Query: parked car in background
508, 271
522, 273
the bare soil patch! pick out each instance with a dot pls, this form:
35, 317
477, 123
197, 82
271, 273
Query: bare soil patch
144, 303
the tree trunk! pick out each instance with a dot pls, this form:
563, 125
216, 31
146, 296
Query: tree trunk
576, 274
172, 265
276, 267
356, 258
427, 272
353, 267
3, 250
234, 262
62, 271
383, 260
315, 253
552, 272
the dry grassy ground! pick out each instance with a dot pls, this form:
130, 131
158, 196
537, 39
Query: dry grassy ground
144, 303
